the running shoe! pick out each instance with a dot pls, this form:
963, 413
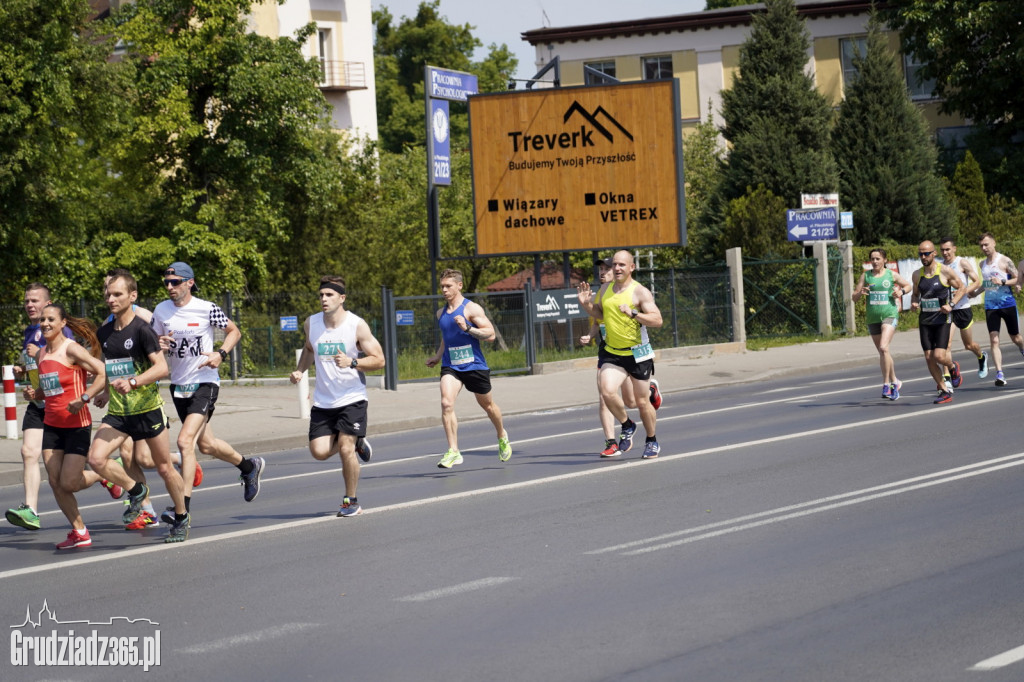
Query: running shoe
143, 520
611, 448
179, 530
450, 459
955, 378
983, 365
364, 449
651, 449
886, 392
135, 504
76, 539
1000, 379
349, 507
251, 481
943, 397
894, 390
167, 515
504, 448
24, 516
655, 394
626, 437
197, 480
114, 489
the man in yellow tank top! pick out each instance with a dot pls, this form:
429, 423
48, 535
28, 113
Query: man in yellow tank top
628, 308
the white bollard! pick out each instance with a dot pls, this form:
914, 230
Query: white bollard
10, 403
303, 388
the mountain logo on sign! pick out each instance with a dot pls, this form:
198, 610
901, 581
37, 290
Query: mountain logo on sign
591, 118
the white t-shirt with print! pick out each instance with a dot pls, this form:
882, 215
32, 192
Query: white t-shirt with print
191, 327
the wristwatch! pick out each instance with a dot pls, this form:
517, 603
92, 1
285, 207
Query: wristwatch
355, 363
223, 354
133, 382
634, 313
85, 398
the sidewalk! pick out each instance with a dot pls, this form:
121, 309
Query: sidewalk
263, 415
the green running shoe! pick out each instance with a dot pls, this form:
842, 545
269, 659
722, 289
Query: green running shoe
504, 448
23, 516
450, 459
179, 530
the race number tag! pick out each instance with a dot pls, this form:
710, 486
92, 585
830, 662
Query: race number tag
931, 305
50, 384
121, 368
642, 352
878, 298
328, 349
460, 355
185, 390
992, 284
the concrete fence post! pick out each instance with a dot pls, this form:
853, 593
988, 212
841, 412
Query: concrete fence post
734, 261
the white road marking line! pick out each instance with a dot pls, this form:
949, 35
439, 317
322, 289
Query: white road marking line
818, 510
617, 468
455, 590
247, 638
1001, 661
804, 505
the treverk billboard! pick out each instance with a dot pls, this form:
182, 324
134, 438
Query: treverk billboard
577, 168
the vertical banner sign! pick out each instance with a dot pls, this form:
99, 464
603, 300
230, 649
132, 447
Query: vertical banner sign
439, 144
578, 169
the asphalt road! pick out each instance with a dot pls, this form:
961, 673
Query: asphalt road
797, 530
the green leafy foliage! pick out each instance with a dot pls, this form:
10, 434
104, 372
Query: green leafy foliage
886, 159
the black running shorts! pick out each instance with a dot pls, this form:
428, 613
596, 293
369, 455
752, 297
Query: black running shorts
347, 419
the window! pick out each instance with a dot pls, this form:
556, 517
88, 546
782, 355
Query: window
657, 67
848, 49
922, 90
607, 68
323, 50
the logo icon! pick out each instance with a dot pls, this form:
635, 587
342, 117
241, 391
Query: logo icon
591, 118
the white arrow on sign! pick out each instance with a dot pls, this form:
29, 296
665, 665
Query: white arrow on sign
799, 231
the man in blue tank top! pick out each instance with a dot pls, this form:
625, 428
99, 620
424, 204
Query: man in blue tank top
464, 325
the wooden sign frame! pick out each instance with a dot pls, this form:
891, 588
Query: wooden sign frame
578, 169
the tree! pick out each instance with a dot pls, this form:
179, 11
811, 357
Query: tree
702, 163
722, 4
400, 54
230, 128
775, 119
967, 194
974, 49
756, 222
886, 159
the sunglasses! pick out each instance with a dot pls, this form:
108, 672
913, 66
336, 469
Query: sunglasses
919, 253
173, 282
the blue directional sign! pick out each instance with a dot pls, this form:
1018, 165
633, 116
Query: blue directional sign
846, 220
451, 85
290, 324
812, 224
439, 143
403, 317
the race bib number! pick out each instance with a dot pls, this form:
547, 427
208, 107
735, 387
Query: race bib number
878, 298
460, 355
185, 390
642, 352
992, 284
30, 362
931, 305
122, 368
50, 384
328, 349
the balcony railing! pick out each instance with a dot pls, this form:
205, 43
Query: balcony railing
335, 75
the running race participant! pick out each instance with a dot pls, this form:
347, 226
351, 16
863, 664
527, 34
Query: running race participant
998, 274
932, 284
334, 339
963, 312
185, 326
37, 296
597, 331
628, 308
67, 424
464, 325
134, 363
883, 288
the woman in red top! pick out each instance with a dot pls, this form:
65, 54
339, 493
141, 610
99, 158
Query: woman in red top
67, 424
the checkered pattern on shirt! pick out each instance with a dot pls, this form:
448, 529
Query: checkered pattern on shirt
217, 317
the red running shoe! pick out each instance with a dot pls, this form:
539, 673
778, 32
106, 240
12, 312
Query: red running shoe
655, 394
114, 489
76, 539
198, 479
143, 520
611, 449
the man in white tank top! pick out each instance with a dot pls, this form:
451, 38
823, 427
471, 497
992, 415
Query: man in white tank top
334, 339
963, 313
